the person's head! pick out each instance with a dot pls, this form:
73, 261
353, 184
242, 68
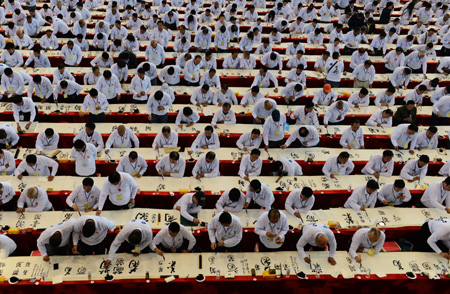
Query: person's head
88, 228
8, 72
254, 155
446, 184
31, 159
226, 107
372, 186
174, 229
199, 198
340, 104
197, 59
387, 156
87, 183
225, 219
406, 71
412, 129
321, 240
399, 185
174, 156
210, 157
390, 91
234, 195
187, 111
431, 131
49, 133
32, 192
276, 166
89, 127
363, 92
374, 235
306, 193
343, 157
55, 240
423, 160
276, 115
133, 156
303, 132
70, 44
336, 55
255, 186
121, 130
79, 145
135, 237
255, 134
274, 215
410, 104
93, 93
114, 178
327, 88
355, 125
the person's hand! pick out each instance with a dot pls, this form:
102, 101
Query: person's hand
358, 259
196, 221
332, 176
416, 178
185, 251
447, 209
307, 260
132, 202
160, 172
444, 255
266, 147
396, 148
246, 205
402, 197
75, 249
362, 208
362, 147
27, 126
76, 64
349, 147
107, 263
278, 240
376, 175
24, 66
106, 151
258, 120
159, 252
190, 152
7, 165
81, 114
270, 235
118, 97
297, 214
205, 147
283, 146
276, 90
247, 178
20, 210
20, 176
46, 258
385, 202
167, 174
9, 147
50, 178
411, 152
221, 244
98, 212
41, 152
188, 125
75, 207
331, 261
213, 246
245, 148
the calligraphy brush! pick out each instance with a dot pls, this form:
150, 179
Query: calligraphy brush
310, 262
269, 157
367, 215
328, 133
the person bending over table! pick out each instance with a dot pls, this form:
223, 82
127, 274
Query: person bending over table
36, 200
363, 196
434, 236
121, 138
134, 164
89, 233
84, 197
394, 194
299, 201
208, 139
403, 135
437, 196
171, 165
24, 109
369, 240
121, 189
55, 240
271, 227
170, 239
251, 165
380, 165
38, 166
189, 205
273, 130
225, 233
338, 165
261, 194
415, 169
316, 236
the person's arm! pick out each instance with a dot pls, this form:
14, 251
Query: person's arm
237, 236
432, 242
184, 212
353, 200
188, 236
404, 172
116, 244
289, 202
355, 244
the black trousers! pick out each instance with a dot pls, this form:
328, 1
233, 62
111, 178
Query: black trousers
56, 251
378, 52
39, 99
8, 206
276, 144
348, 51
422, 244
73, 98
97, 118
236, 248
27, 115
445, 51
438, 121
417, 71
97, 249
112, 100
387, 70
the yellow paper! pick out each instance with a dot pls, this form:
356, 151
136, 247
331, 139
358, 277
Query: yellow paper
135, 174
65, 95
119, 196
87, 206
36, 175
277, 132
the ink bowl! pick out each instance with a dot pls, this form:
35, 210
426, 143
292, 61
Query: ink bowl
200, 278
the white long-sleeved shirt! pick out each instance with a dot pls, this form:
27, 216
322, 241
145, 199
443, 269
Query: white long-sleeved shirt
294, 203
225, 204
435, 196
310, 232
13, 84
163, 142
333, 166
7, 246
174, 79
71, 56
201, 140
83, 199
303, 118
245, 140
274, 131
312, 139
156, 55
360, 197
388, 193
412, 169
264, 81
354, 139
322, 98
334, 114
426, 143
394, 60
229, 118
289, 91
117, 141
221, 98
138, 85
128, 228
182, 119
43, 143
361, 240
442, 106
361, 73
231, 235
12, 60
71, 89
250, 168
41, 61
12, 138
38, 204
280, 228
41, 168
376, 164
165, 239
187, 206
8, 192
153, 104
64, 228
176, 170
259, 110
85, 161
210, 170
415, 62
398, 78
132, 168
192, 71
401, 138
49, 43
377, 118
199, 97
91, 104
264, 198
110, 88
119, 194
440, 231
28, 106
43, 90
102, 225
95, 139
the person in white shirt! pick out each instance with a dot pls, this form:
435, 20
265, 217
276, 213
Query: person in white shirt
305, 115
225, 115
224, 94
434, 236
42, 89
7, 193
71, 54
157, 107
439, 93
8, 136
109, 85
171, 165
363, 197
369, 240
325, 96
155, 53
71, 91
170, 239
393, 60
192, 70
394, 194
358, 57
47, 140
35, 198
380, 165
231, 200
249, 140
121, 138
207, 166
12, 83
381, 118
427, 139
292, 92
85, 196
251, 165
55, 239
24, 109
284, 166
416, 60
416, 95
263, 110
90, 135
263, 79
308, 137
232, 61
316, 236
61, 73
401, 76
202, 96
225, 233
208, 139
121, 189
140, 87
437, 195
252, 96
338, 165
363, 75
37, 166
167, 138
95, 103
261, 194
353, 137
11, 57
299, 201
89, 233
336, 113
359, 99
271, 227
415, 169
386, 98
187, 116
189, 205
170, 74
273, 130
334, 70
403, 135
7, 246
133, 164
84, 155
211, 79
49, 41
138, 236
40, 60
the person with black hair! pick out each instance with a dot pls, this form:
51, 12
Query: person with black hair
134, 164
271, 227
170, 239
170, 74
416, 95
261, 194
140, 87
249, 140
353, 137
167, 138
385, 15
363, 75
189, 205
89, 233
437, 195
138, 236
394, 194
380, 165
61, 73
42, 89
84, 155
104, 60
109, 85
364, 196
415, 169
7, 193
284, 166
38, 166
121, 189
70, 90
171, 165
207, 166
338, 165
55, 239
441, 109
95, 103
47, 140
403, 135
225, 233
434, 236
8, 136
273, 130
71, 54
12, 83
208, 139
187, 116
360, 98
90, 135
427, 139
231, 200
84, 197
299, 201
251, 165
406, 114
